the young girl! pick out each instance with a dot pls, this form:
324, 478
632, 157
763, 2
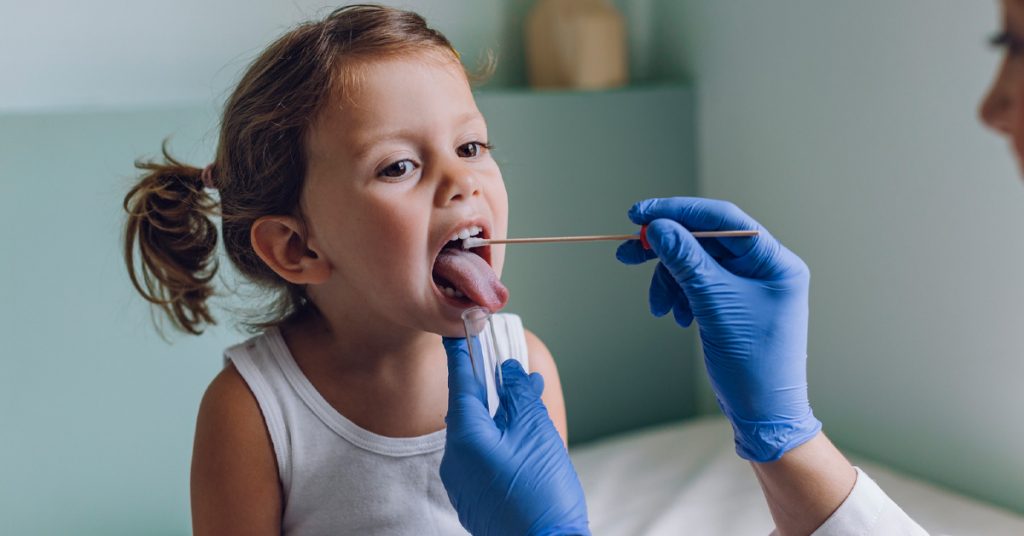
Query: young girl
352, 157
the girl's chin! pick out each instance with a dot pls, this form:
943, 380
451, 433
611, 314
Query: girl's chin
449, 328
457, 334
448, 322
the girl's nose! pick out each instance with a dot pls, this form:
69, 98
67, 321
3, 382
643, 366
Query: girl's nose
457, 184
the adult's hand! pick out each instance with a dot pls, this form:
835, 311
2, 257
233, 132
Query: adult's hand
749, 298
510, 474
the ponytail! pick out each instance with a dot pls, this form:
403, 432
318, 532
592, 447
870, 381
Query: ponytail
169, 218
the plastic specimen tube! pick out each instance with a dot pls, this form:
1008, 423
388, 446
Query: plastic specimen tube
484, 353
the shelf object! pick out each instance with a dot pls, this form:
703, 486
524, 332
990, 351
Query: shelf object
575, 44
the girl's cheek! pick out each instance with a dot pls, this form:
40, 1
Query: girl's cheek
499, 202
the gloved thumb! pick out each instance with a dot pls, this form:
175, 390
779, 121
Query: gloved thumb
680, 252
465, 393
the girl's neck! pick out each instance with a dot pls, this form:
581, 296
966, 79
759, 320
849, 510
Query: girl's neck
392, 383
354, 342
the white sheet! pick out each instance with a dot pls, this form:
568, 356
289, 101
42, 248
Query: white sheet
685, 478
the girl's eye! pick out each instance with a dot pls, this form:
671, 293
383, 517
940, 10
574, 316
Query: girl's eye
398, 169
471, 149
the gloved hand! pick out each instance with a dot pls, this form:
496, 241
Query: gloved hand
749, 297
510, 474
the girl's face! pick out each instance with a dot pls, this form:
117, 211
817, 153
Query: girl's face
398, 165
1003, 107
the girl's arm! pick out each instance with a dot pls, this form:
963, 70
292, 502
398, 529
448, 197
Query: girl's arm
235, 487
542, 362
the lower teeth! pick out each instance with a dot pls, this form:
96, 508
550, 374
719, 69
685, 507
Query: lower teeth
451, 292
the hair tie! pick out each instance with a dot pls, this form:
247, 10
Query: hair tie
207, 177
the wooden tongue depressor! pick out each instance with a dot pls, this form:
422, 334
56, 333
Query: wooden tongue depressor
470, 243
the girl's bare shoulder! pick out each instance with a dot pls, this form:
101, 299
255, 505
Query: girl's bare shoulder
235, 484
541, 361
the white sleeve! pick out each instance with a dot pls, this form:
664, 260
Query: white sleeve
868, 511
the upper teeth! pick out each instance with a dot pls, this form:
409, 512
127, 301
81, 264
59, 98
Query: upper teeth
466, 233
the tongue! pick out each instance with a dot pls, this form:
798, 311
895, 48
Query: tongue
471, 274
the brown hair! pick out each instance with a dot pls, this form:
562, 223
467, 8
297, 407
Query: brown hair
260, 164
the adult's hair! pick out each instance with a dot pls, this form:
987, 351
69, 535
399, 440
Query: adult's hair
260, 165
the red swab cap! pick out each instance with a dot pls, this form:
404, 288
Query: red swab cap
643, 237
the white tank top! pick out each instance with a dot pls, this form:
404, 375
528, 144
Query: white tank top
338, 478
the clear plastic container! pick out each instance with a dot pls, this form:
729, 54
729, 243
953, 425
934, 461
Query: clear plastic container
485, 356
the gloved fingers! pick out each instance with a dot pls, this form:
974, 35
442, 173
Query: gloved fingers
699, 214
520, 389
667, 296
746, 266
682, 313
468, 419
679, 251
716, 249
513, 374
664, 291
466, 397
696, 213
514, 378
633, 252
537, 383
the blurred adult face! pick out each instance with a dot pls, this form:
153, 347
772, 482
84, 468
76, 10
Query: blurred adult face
1003, 107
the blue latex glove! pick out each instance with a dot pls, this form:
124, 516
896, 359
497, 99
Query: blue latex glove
510, 474
749, 297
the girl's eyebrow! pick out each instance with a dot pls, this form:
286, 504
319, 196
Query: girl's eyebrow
374, 138
469, 116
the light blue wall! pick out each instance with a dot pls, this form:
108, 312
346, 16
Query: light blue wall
849, 129
97, 411
65, 56
110, 54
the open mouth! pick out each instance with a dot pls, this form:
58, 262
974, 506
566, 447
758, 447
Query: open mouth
464, 277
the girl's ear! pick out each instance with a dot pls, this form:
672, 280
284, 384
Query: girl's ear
278, 240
